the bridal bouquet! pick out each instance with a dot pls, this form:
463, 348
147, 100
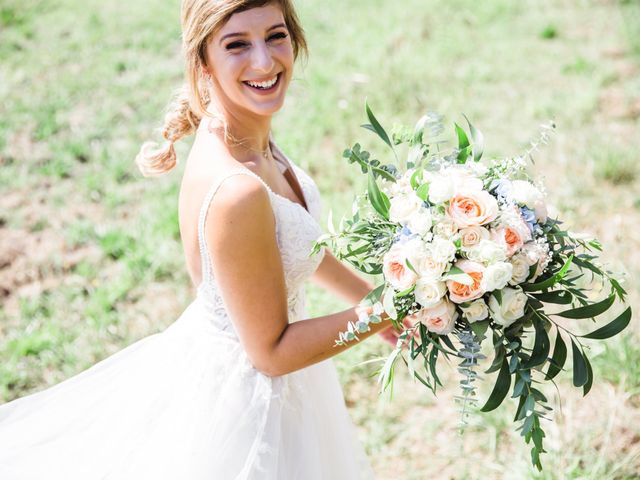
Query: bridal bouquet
469, 253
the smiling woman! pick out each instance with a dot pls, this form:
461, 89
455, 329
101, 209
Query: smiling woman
241, 385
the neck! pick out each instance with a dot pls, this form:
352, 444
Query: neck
249, 134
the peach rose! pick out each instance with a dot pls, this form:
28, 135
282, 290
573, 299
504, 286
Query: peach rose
473, 208
459, 292
395, 269
440, 318
509, 237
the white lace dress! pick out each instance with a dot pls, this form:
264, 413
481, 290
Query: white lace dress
186, 403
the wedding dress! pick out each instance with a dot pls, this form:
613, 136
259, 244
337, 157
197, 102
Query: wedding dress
186, 403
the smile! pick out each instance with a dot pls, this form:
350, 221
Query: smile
266, 86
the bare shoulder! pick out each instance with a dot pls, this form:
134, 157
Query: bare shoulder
240, 199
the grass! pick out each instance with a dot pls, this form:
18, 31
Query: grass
84, 83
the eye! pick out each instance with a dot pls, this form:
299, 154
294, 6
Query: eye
234, 45
278, 36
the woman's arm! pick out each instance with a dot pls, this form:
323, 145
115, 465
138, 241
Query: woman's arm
336, 277
248, 270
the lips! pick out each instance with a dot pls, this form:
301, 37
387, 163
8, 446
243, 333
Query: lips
268, 85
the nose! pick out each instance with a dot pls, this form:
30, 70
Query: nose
261, 59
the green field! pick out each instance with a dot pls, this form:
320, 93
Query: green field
90, 258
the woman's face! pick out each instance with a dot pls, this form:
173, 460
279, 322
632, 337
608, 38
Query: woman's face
251, 58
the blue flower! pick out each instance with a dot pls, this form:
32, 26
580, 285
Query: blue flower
529, 217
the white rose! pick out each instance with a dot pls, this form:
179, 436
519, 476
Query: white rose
421, 258
513, 304
496, 276
404, 205
441, 188
464, 179
420, 221
520, 266
476, 311
428, 292
442, 250
524, 193
487, 251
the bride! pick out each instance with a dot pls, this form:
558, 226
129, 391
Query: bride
240, 386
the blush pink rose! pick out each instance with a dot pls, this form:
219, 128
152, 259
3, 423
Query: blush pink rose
471, 236
440, 318
396, 271
473, 208
510, 238
459, 292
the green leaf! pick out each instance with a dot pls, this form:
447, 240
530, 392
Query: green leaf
541, 347
549, 282
376, 127
415, 179
374, 295
580, 374
559, 357
587, 386
389, 305
378, 199
589, 311
478, 140
480, 328
560, 297
497, 361
423, 192
612, 328
500, 389
458, 275
463, 140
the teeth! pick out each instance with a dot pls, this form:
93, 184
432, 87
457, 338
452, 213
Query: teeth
264, 84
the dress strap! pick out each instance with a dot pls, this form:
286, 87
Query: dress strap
205, 259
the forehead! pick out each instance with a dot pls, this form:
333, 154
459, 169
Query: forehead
259, 18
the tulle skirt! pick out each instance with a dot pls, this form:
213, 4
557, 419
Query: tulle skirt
183, 404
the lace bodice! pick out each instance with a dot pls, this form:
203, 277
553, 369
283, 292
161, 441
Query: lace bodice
296, 230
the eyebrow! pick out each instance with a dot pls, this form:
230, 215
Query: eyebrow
240, 34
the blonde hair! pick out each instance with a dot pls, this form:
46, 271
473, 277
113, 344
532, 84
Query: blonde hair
200, 19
